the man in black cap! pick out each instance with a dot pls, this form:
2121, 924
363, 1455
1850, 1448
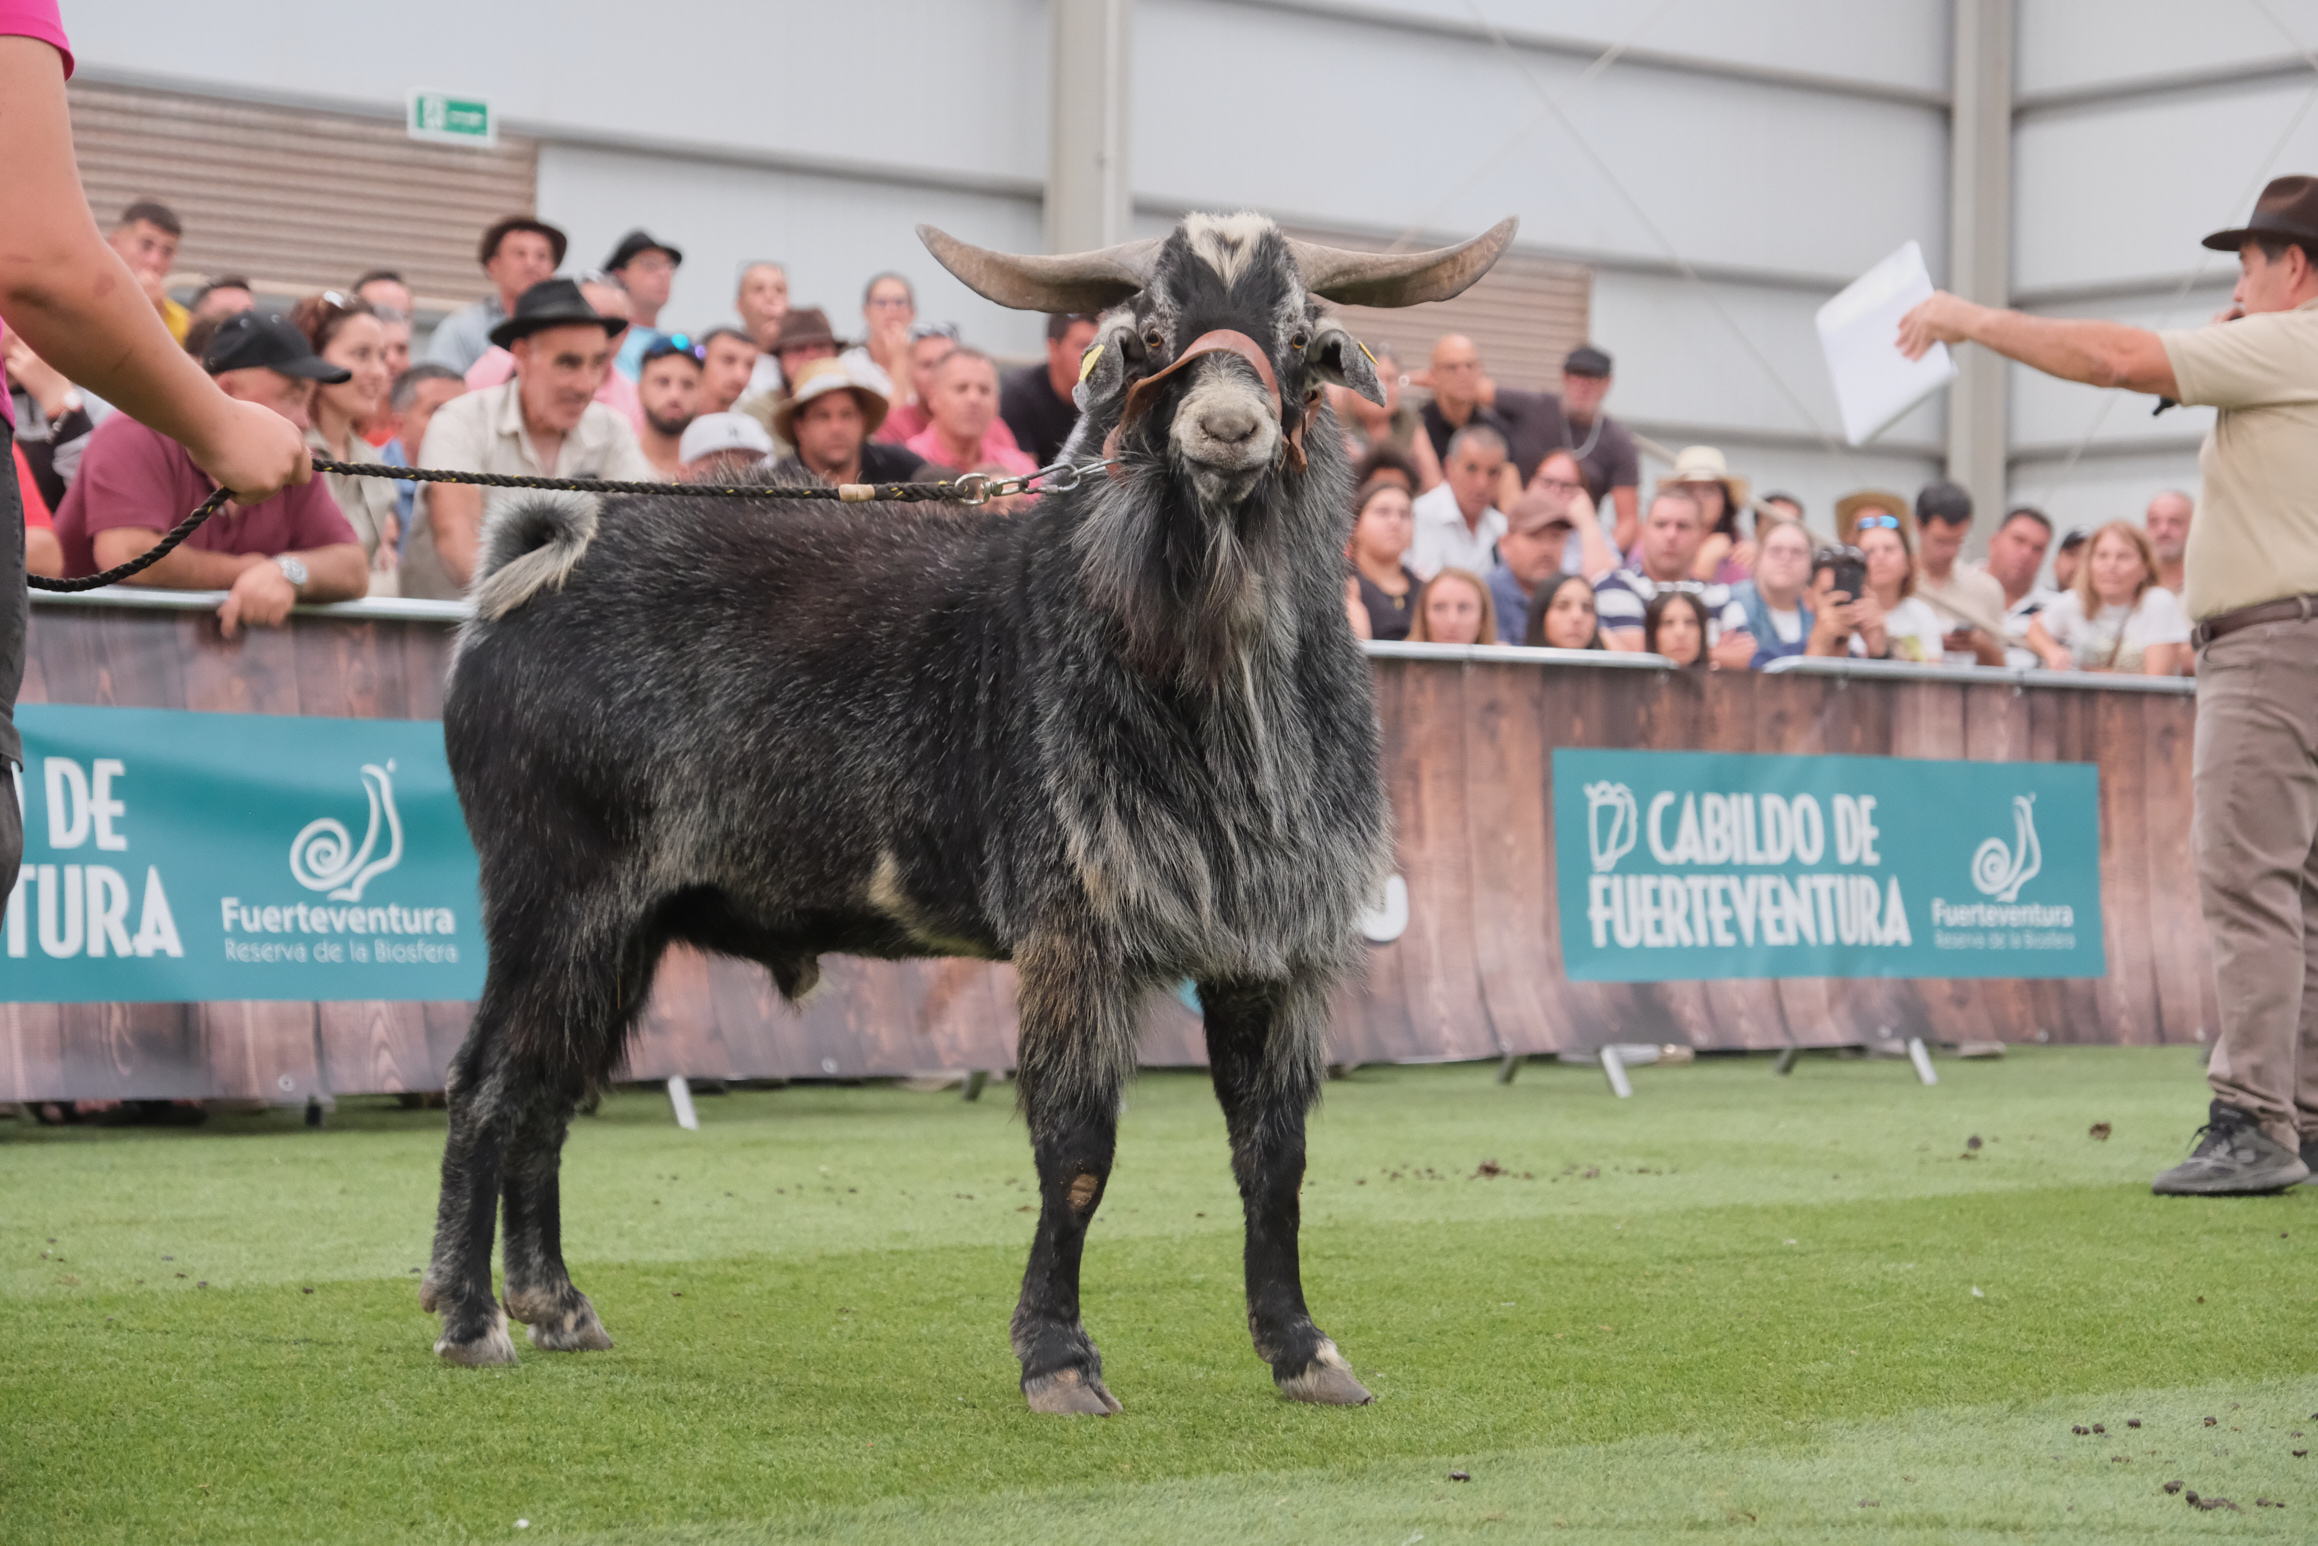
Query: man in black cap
645, 267
543, 422
516, 253
1574, 420
135, 483
2251, 586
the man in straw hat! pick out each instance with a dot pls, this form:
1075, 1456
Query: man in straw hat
2251, 586
829, 415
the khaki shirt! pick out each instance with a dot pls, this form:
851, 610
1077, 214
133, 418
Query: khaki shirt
483, 432
2256, 535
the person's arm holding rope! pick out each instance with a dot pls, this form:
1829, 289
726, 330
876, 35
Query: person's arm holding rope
81, 310
2102, 354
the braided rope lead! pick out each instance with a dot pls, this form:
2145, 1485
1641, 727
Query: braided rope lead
973, 488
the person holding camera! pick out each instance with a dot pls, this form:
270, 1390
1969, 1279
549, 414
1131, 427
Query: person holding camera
2251, 588
1844, 617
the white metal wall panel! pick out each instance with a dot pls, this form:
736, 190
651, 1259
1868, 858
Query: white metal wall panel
1733, 173
830, 233
2122, 192
2073, 45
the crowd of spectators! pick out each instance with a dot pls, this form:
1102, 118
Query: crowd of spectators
1483, 513
1531, 507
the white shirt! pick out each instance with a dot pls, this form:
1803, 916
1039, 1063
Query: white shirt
2017, 616
1444, 541
2117, 638
1912, 631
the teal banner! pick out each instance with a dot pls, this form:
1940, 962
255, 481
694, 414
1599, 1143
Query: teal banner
1682, 866
175, 857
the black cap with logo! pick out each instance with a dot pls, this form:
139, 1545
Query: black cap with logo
251, 339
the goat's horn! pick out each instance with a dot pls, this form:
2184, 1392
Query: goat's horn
1078, 281
1399, 279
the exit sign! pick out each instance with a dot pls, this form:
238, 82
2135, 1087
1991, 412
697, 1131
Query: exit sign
450, 120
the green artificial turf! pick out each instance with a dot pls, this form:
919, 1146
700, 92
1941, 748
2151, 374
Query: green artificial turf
1785, 1309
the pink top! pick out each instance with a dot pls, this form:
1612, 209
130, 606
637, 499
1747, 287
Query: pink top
993, 451
36, 19
497, 366
32, 19
908, 421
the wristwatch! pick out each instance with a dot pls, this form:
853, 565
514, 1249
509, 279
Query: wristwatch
293, 569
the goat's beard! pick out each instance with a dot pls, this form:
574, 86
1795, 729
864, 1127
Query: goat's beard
1186, 579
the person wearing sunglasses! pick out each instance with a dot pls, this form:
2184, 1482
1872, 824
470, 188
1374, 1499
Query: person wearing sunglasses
668, 382
1878, 525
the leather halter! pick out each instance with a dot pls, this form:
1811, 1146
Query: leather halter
1220, 341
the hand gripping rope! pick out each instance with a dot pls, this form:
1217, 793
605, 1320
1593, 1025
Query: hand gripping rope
972, 488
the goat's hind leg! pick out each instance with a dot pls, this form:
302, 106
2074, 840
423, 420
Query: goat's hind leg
457, 1284
539, 1288
1265, 1042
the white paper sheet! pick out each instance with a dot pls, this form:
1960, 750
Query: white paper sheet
1874, 383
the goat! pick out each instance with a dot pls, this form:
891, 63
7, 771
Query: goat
1121, 739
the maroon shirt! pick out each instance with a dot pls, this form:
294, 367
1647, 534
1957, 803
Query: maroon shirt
134, 476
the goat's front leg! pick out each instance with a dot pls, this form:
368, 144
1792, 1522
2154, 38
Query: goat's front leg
1077, 1043
539, 1289
1265, 1045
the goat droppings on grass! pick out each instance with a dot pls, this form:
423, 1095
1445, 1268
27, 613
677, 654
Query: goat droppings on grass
2100, 1132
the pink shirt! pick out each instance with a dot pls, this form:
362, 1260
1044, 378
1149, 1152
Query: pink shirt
497, 366
994, 451
32, 19
908, 421
134, 476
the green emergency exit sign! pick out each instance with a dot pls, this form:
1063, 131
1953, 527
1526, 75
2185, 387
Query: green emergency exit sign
452, 120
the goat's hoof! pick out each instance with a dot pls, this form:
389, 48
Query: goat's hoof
1325, 1381
1069, 1393
572, 1328
489, 1346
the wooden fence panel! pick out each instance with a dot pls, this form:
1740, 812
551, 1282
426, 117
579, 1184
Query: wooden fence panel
1467, 763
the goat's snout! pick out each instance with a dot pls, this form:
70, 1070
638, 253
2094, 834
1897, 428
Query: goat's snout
1229, 424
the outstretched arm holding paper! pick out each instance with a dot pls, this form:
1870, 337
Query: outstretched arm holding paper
2105, 354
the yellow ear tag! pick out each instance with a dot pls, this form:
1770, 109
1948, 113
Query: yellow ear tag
1087, 361
1364, 350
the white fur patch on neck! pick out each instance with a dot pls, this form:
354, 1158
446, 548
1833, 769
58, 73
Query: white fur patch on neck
1225, 242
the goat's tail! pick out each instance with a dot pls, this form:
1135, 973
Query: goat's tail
529, 546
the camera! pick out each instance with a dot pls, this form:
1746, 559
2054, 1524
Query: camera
1848, 565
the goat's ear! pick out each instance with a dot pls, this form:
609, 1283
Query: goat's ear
1103, 368
1337, 356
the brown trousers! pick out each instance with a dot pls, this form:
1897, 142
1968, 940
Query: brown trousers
2257, 868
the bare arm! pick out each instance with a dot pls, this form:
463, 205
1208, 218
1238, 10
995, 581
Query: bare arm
1594, 553
184, 569
2163, 659
2102, 354
1628, 524
80, 309
456, 511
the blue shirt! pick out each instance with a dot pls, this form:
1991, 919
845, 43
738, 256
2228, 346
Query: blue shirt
629, 362
1512, 603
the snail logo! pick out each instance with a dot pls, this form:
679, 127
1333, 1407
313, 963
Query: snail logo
323, 856
2000, 872
1612, 824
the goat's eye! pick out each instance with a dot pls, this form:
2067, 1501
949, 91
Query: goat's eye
1298, 341
1154, 338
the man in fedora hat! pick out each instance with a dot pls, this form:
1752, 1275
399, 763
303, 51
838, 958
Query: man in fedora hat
645, 267
2251, 586
544, 422
516, 253
829, 415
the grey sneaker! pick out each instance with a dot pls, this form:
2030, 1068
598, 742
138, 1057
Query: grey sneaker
2233, 1157
2310, 1158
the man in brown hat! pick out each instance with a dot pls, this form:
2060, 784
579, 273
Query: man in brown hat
516, 253
2251, 586
804, 337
